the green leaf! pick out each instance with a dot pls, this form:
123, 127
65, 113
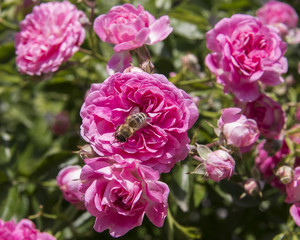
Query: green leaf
7, 51
198, 194
186, 29
181, 186
10, 206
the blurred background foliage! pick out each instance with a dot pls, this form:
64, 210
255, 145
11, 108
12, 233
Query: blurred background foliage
35, 143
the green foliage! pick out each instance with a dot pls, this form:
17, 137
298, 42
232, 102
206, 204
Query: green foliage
31, 154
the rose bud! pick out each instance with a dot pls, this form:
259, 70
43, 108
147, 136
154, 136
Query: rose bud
285, 174
219, 165
86, 151
238, 130
251, 187
68, 180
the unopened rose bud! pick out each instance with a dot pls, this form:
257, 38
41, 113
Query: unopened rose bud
237, 129
219, 165
285, 174
251, 187
147, 66
86, 151
68, 180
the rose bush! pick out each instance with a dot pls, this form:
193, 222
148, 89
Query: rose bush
24, 229
238, 130
120, 192
245, 52
49, 36
68, 180
170, 112
129, 27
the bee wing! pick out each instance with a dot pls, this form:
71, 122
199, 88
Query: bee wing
134, 110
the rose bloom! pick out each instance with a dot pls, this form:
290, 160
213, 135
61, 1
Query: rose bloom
219, 165
25, 229
119, 193
293, 188
267, 163
295, 213
129, 27
267, 113
244, 52
162, 140
68, 180
238, 130
49, 36
279, 14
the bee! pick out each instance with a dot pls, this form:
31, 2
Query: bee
132, 123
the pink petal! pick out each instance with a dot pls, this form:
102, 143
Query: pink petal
119, 62
160, 30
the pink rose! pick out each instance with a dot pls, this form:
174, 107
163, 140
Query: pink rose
120, 192
244, 52
267, 113
49, 36
25, 229
169, 112
295, 213
219, 165
238, 130
293, 188
267, 163
275, 12
68, 180
129, 27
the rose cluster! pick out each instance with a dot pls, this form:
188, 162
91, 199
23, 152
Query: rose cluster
136, 126
136, 122
247, 59
24, 229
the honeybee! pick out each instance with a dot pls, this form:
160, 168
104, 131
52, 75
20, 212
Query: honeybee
132, 123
